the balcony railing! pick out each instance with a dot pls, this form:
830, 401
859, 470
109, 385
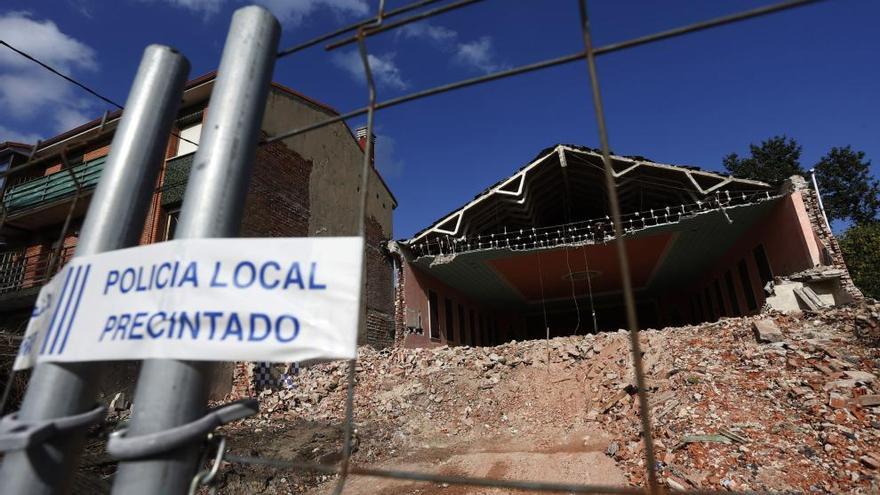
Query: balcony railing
27, 268
52, 187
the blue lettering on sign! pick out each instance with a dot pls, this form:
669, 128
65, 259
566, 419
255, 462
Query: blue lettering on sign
270, 275
255, 327
263, 277
244, 275
214, 281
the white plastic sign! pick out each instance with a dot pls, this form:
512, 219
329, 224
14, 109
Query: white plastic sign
276, 299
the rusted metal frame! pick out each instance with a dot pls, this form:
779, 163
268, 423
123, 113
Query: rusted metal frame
523, 69
353, 27
361, 227
378, 27
602, 50
623, 261
702, 25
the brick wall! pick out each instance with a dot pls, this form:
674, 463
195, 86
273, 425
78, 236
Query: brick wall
824, 235
277, 203
379, 290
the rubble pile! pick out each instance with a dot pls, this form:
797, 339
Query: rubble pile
772, 402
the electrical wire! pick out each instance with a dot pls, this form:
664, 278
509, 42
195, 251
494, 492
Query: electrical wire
77, 83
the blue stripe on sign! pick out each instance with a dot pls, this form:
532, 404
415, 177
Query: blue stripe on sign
66, 309
82, 288
55, 313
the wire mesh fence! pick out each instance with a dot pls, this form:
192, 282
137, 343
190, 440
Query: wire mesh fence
614, 228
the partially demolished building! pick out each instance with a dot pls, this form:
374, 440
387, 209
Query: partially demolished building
532, 256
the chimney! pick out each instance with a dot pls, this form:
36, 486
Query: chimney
361, 134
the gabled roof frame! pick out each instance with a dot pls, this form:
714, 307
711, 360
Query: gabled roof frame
442, 226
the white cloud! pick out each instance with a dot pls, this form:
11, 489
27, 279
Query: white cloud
30, 92
479, 55
44, 41
290, 12
442, 36
83, 7
389, 164
7, 134
69, 117
385, 71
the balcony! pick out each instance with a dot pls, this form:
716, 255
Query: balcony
24, 270
53, 187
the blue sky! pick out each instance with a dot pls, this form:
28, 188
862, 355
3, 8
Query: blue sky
810, 73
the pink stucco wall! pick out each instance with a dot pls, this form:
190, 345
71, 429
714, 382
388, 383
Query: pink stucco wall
417, 285
790, 245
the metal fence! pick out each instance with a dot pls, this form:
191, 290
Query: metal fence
208, 212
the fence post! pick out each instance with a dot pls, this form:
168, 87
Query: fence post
171, 393
115, 220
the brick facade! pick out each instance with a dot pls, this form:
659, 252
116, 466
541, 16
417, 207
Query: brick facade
277, 203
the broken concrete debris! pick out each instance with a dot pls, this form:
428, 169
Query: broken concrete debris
767, 331
798, 412
812, 290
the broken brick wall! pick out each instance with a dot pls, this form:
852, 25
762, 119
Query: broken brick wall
399, 302
832, 254
379, 290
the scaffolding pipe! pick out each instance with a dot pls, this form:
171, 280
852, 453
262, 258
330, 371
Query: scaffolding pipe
115, 220
171, 393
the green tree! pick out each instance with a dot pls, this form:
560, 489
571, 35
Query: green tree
848, 190
775, 160
861, 250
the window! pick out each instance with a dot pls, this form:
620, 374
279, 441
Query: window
462, 332
763, 264
171, 219
472, 340
450, 323
746, 281
731, 293
191, 133
719, 298
434, 323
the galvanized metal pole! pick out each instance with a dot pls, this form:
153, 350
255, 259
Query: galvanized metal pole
115, 220
172, 393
